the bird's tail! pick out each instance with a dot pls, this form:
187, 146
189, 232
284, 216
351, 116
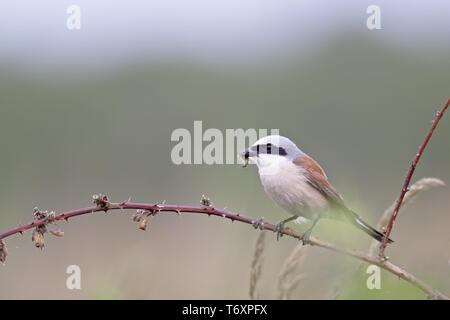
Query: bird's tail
364, 226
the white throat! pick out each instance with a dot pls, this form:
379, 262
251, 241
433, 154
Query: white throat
269, 164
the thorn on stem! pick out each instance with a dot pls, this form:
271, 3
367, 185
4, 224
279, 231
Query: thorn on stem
123, 202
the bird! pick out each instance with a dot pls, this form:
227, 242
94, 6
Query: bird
299, 185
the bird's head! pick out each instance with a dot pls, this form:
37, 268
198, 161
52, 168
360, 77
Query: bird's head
270, 150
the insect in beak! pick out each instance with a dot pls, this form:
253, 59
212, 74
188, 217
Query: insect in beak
246, 163
245, 154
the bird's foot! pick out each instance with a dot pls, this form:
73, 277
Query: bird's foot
279, 229
304, 238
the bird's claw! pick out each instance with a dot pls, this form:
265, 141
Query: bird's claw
279, 229
304, 238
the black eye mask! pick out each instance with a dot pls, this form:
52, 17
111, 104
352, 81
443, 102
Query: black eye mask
270, 149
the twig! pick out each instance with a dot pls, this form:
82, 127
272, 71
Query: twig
209, 210
408, 178
255, 271
418, 187
288, 279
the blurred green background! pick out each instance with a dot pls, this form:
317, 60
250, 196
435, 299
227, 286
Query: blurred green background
358, 104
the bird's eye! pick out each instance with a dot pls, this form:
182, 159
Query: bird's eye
269, 148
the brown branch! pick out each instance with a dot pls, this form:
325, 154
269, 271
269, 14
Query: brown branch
152, 209
411, 170
417, 188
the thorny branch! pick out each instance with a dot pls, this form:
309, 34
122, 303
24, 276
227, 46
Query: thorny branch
145, 210
150, 209
411, 170
417, 188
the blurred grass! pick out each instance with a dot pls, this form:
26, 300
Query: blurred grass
358, 107
391, 288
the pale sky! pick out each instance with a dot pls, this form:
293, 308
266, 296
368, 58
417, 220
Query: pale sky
34, 31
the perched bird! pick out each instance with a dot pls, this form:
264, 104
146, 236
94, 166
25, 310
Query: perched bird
299, 185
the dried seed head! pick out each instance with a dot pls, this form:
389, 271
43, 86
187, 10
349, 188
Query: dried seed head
100, 200
51, 217
136, 216
3, 251
42, 228
38, 214
143, 224
57, 233
38, 239
206, 201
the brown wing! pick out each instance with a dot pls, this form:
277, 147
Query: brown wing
318, 179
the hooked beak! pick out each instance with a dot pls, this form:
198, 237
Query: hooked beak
248, 153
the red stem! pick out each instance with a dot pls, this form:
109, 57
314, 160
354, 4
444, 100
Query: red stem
408, 178
145, 206
432, 293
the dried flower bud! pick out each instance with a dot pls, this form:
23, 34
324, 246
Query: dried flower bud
42, 229
136, 216
38, 214
206, 201
38, 239
143, 224
100, 200
51, 217
57, 233
3, 251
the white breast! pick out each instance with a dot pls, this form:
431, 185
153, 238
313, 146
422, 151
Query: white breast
286, 184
